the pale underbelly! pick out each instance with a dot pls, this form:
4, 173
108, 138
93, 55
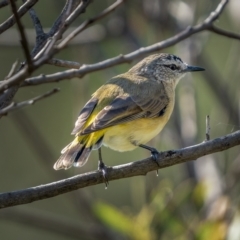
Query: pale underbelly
127, 136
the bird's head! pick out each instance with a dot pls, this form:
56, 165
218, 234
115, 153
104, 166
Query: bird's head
163, 67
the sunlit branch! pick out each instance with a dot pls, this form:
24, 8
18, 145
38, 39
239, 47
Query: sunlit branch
137, 168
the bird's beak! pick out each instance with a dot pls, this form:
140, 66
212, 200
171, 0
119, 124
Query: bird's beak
193, 69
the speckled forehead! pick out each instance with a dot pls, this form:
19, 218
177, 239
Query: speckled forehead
172, 58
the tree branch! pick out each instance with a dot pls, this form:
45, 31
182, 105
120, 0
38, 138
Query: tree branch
67, 10
85, 69
64, 63
37, 24
10, 89
214, 15
49, 51
15, 106
23, 40
13, 70
41, 36
21, 11
224, 32
89, 22
142, 167
4, 3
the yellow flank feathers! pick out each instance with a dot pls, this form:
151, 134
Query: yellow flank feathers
127, 136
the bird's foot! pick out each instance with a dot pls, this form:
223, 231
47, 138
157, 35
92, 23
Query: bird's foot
154, 155
103, 169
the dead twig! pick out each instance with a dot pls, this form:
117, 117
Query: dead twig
9, 90
23, 40
51, 50
21, 11
87, 23
15, 106
13, 70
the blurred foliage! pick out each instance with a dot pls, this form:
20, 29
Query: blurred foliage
135, 227
197, 200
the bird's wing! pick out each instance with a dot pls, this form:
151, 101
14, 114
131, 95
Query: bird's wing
153, 102
128, 108
84, 115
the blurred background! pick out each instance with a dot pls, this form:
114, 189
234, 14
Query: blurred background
197, 200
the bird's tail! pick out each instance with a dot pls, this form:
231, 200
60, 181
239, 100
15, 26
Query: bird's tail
77, 152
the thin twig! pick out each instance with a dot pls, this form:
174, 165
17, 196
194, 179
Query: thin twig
138, 168
15, 106
62, 17
23, 40
214, 15
13, 70
50, 51
21, 11
36, 22
88, 22
4, 3
208, 128
43, 38
64, 63
7, 96
224, 32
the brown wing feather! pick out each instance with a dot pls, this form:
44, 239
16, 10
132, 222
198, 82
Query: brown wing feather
154, 101
84, 114
122, 109
128, 108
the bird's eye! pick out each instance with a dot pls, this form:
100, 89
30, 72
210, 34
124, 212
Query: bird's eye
173, 67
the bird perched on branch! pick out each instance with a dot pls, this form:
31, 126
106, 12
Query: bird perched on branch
127, 111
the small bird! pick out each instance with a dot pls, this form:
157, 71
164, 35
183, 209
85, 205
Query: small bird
127, 111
